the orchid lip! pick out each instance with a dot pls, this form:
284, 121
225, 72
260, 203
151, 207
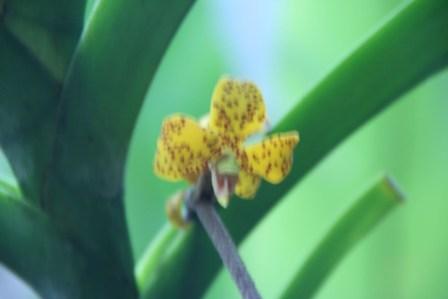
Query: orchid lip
223, 185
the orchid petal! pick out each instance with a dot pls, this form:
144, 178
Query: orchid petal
247, 185
272, 158
183, 149
237, 109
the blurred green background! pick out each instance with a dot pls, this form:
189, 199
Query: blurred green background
286, 47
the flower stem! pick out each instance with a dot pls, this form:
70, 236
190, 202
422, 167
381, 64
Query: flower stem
201, 202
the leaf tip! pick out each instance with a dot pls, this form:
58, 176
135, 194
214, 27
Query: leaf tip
392, 187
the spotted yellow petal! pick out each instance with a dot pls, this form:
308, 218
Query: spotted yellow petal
237, 109
183, 149
272, 158
247, 185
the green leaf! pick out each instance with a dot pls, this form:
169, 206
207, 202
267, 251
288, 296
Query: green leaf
67, 144
406, 50
9, 190
158, 248
41, 254
63, 15
49, 29
34, 250
364, 215
90, 5
28, 99
37, 39
100, 100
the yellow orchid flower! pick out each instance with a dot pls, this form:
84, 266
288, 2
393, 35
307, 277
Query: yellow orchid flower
186, 149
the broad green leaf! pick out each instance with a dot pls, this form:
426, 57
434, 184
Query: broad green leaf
9, 190
67, 144
49, 29
37, 39
113, 66
63, 15
36, 251
28, 99
363, 216
90, 6
42, 255
52, 49
406, 50
146, 269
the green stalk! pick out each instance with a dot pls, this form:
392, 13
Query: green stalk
406, 50
364, 215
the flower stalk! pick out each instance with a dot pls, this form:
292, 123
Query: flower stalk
201, 201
